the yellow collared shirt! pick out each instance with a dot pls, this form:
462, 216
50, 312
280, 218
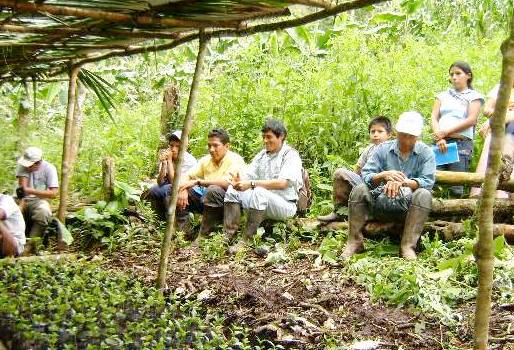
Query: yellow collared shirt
231, 163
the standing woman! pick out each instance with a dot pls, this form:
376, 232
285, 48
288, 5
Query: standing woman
454, 116
508, 143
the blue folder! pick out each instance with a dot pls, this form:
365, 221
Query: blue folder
451, 155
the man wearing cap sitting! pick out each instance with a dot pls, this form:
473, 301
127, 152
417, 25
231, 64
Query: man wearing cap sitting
37, 182
159, 194
398, 180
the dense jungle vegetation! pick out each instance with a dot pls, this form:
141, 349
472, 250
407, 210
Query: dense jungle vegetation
325, 80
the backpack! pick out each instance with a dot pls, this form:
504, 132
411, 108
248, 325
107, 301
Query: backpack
304, 195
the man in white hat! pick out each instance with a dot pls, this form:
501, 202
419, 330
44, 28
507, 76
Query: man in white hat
160, 194
37, 182
398, 180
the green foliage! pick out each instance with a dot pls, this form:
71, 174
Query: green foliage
214, 248
58, 305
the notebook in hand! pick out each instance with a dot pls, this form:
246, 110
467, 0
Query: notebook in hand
451, 155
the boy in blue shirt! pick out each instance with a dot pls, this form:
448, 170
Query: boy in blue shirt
379, 129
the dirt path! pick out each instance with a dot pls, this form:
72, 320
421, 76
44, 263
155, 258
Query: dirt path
299, 306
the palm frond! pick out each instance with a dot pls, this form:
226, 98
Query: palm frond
103, 89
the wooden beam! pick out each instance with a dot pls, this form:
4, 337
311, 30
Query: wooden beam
116, 17
314, 3
94, 31
472, 179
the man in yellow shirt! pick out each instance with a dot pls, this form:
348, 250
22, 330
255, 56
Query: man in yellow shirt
204, 186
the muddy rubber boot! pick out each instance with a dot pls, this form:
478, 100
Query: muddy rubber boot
255, 217
183, 224
210, 218
231, 219
416, 218
358, 215
341, 193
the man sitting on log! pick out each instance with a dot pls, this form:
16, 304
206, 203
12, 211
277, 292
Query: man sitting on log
345, 180
37, 182
204, 186
397, 185
270, 186
12, 228
159, 194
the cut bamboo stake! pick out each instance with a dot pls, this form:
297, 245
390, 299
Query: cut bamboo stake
170, 229
484, 247
108, 176
169, 112
116, 17
471, 179
67, 144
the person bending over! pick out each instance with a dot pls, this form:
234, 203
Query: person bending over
12, 228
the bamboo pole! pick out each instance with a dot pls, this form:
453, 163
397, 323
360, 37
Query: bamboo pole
67, 144
78, 117
23, 119
484, 247
116, 17
472, 179
94, 31
170, 229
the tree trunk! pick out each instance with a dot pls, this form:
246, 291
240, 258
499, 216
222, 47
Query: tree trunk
22, 122
78, 118
169, 113
170, 229
468, 207
472, 179
108, 175
484, 247
67, 145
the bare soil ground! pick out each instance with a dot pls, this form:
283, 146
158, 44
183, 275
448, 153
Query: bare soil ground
299, 306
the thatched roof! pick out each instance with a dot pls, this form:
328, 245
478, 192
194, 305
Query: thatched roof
41, 38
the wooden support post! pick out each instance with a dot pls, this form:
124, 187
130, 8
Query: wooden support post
67, 145
169, 113
170, 229
484, 250
108, 176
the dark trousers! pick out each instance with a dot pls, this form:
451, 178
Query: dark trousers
465, 149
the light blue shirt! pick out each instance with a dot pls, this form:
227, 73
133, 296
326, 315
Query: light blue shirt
419, 165
454, 109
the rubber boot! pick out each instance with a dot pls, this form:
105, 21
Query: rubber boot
231, 219
255, 217
416, 218
341, 193
210, 218
182, 223
358, 215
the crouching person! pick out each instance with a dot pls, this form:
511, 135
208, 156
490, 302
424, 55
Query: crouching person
269, 189
204, 186
12, 228
159, 195
397, 186
37, 182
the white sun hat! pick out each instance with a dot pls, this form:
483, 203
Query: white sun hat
410, 123
31, 156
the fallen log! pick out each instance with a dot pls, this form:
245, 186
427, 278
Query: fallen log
471, 179
447, 230
467, 207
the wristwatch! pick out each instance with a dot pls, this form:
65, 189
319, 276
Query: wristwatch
252, 184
